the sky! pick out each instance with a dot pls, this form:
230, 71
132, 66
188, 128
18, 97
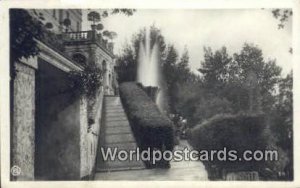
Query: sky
196, 29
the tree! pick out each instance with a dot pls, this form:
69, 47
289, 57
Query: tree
215, 67
183, 70
228, 76
24, 31
104, 13
250, 59
229, 83
169, 66
127, 65
282, 15
67, 24
281, 120
127, 12
210, 106
170, 76
94, 17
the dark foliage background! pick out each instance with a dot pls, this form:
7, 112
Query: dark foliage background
242, 82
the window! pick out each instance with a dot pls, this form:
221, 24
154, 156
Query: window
68, 14
78, 26
104, 65
54, 13
60, 16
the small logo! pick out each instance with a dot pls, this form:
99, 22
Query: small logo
15, 170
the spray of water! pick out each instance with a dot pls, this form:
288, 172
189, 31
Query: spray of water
148, 67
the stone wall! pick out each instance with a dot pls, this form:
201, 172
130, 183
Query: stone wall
51, 138
89, 140
84, 143
59, 119
22, 129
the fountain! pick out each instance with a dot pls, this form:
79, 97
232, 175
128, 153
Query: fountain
148, 68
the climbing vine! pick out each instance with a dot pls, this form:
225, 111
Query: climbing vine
88, 81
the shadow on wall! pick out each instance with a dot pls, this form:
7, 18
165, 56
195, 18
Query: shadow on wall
57, 141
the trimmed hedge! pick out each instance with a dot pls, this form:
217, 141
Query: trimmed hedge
235, 132
152, 128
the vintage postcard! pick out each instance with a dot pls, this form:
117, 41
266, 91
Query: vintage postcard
194, 94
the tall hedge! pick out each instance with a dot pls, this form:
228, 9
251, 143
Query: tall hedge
152, 128
235, 132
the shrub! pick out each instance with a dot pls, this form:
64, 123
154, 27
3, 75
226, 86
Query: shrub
88, 81
236, 132
209, 106
24, 29
152, 129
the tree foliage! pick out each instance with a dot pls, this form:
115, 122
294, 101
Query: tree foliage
24, 31
88, 81
127, 12
282, 15
96, 18
228, 76
242, 82
236, 82
127, 65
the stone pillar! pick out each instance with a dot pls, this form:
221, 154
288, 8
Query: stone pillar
23, 123
84, 143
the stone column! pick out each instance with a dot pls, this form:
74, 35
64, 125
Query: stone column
23, 123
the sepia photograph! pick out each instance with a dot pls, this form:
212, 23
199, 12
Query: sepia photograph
134, 94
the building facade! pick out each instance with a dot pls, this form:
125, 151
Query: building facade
54, 130
57, 17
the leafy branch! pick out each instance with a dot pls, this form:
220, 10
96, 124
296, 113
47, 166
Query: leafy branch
95, 17
282, 15
88, 81
24, 29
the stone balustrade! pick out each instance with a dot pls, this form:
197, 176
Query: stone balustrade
88, 36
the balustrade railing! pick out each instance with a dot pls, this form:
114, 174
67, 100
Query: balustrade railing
80, 35
88, 36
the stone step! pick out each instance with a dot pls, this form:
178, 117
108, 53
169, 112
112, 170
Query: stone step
114, 110
125, 145
119, 138
117, 134
108, 101
113, 107
118, 124
115, 114
116, 118
108, 166
112, 116
130, 163
113, 103
109, 119
117, 130
112, 98
115, 123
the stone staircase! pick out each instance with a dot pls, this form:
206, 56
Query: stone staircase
116, 133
